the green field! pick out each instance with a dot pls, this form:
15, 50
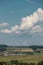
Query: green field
23, 58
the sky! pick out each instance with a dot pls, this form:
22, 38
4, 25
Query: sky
21, 22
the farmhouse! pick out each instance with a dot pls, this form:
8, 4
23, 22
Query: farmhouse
22, 51
40, 50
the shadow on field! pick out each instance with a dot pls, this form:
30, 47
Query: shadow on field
16, 62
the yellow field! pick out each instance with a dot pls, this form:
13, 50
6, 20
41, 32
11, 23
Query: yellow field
23, 58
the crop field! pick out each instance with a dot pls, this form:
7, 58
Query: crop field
22, 58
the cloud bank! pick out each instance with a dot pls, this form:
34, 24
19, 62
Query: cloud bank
28, 23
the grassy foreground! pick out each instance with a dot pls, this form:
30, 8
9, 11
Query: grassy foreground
23, 58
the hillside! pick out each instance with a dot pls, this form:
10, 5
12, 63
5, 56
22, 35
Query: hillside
3, 47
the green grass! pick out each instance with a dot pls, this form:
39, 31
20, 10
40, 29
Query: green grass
23, 58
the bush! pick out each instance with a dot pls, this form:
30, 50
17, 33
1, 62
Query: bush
14, 62
40, 63
32, 64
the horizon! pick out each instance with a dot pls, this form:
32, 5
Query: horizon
20, 46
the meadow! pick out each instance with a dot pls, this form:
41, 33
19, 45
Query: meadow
22, 58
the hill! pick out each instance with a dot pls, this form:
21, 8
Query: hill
3, 47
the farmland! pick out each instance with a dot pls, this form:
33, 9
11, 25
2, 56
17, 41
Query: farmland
22, 58
21, 54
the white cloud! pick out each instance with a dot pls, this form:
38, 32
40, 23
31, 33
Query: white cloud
6, 31
37, 29
27, 23
4, 24
15, 28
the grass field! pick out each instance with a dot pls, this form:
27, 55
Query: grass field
23, 58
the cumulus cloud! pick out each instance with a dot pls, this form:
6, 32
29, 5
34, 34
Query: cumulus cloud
4, 24
37, 29
28, 23
15, 28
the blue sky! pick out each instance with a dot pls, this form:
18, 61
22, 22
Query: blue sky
21, 22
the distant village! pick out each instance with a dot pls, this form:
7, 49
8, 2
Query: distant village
20, 51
